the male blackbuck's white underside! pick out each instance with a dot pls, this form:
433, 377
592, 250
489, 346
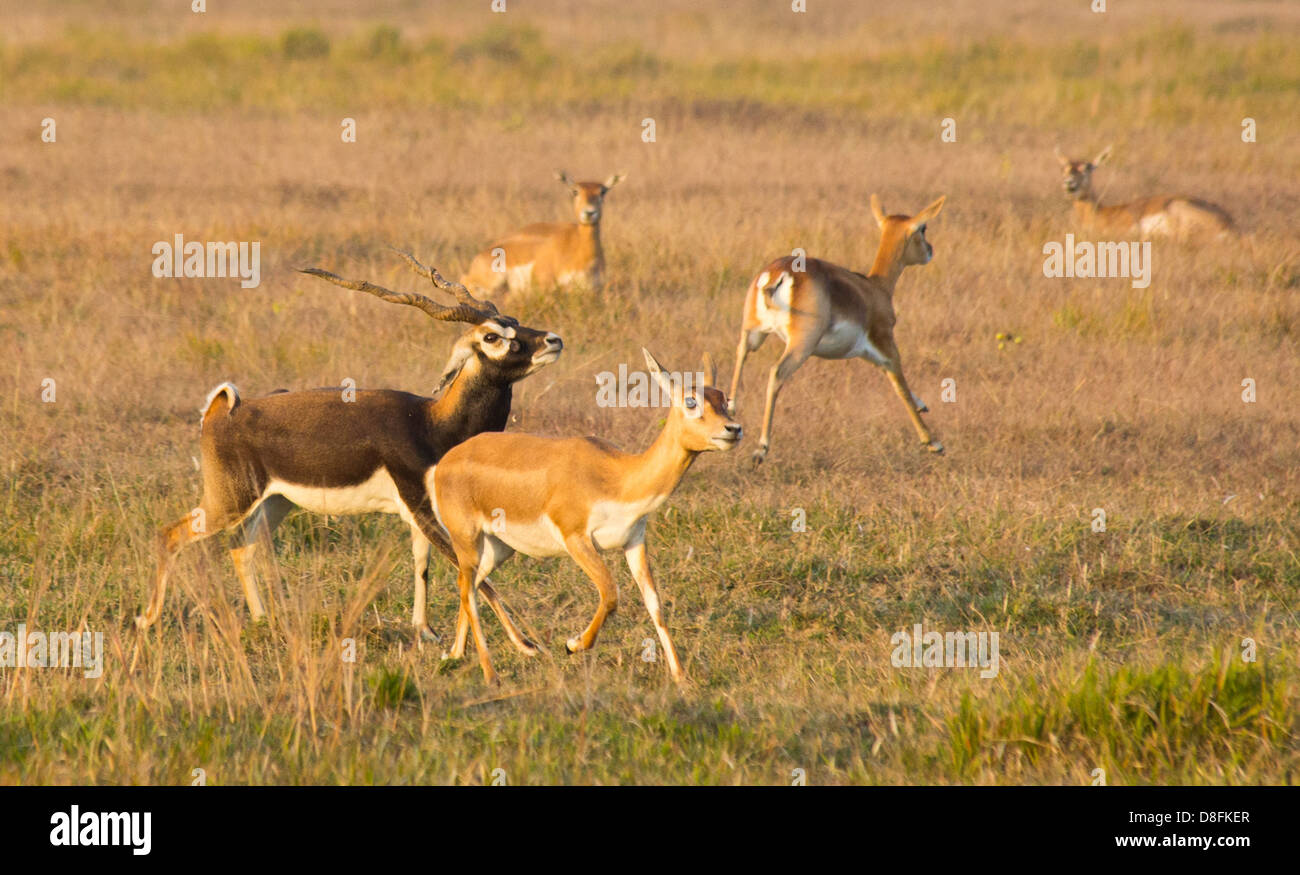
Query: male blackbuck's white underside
831, 312
549, 254
1164, 216
498, 494
339, 451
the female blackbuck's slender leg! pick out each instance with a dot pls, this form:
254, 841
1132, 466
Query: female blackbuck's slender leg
797, 351
893, 369
750, 341
467, 579
639, 564
585, 554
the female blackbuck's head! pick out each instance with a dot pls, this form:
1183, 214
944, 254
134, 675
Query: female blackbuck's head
1077, 179
588, 197
905, 235
699, 417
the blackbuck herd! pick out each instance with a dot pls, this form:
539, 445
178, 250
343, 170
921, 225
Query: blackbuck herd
479, 495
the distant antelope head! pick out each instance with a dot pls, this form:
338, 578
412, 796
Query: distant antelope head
1077, 180
588, 197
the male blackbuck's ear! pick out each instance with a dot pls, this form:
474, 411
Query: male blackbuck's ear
661, 377
1102, 156
710, 370
613, 181
1060, 158
877, 211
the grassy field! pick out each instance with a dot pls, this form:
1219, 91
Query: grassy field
1120, 650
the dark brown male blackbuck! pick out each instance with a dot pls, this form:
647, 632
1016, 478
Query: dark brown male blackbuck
821, 309
338, 451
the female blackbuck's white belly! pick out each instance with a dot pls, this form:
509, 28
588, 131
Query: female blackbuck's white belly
847, 340
378, 494
538, 538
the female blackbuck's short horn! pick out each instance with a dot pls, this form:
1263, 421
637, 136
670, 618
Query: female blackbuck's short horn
549, 255
831, 312
354, 451
498, 494
1163, 216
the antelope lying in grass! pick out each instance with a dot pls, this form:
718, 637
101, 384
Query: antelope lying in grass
357, 451
546, 254
1171, 216
831, 312
498, 494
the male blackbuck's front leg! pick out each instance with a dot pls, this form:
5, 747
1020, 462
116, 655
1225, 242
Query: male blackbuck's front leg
821, 309
501, 493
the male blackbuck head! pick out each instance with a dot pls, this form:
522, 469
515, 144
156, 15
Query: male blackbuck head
549, 254
498, 494
588, 197
353, 451
824, 310
1165, 215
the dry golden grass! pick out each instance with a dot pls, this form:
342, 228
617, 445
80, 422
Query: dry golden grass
1119, 650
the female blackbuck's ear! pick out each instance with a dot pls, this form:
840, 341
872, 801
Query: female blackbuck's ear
1060, 157
710, 370
613, 181
928, 213
877, 211
1102, 156
661, 377
566, 181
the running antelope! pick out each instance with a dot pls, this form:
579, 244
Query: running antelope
1165, 216
831, 312
549, 254
357, 451
498, 494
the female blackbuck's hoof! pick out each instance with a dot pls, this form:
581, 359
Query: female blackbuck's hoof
935, 447
759, 455
424, 633
573, 645
141, 622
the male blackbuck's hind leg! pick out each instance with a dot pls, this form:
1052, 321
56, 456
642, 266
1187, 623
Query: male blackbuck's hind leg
894, 370
796, 353
639, 564
750, 341
584, 553
257, 531
197, 525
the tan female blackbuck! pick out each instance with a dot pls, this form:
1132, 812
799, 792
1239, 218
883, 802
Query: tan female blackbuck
547, 255
1164, 216
349, 451
498, 494
824, 310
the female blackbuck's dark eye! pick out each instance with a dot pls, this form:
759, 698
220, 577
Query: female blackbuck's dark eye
690, 403
490, 338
